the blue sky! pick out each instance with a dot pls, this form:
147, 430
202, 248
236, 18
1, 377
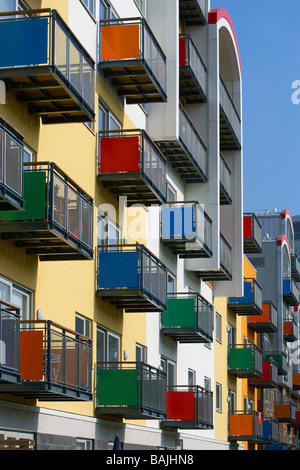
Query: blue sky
268, 35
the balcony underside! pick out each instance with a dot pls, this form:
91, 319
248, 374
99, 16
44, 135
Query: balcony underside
251, 246
260, 383
177, 153
134, 80
225, 199
191, 13
9, 201
263, 327
189, 87
291, 299
45, 391
228, 139
43, 240
188, 249
131, 412
245, 308
132, 300
187, 335
245, 373
214, 275
181, 424
137, 187
47, 94
249, 438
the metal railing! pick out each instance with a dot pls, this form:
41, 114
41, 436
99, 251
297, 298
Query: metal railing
11, 163
150, 274
255, 429
225, 255
194, 61
203, 403
61, 50
9, 338
252, 364
229, 109
192, 141
203, 313
67, 355
225, 177
150, 51
152, 162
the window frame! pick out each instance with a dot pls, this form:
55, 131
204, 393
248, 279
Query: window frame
91, 11
17, 288
107, 334
218, 397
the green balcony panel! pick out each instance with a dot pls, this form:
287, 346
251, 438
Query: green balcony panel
117, 387
245, 361
188, 318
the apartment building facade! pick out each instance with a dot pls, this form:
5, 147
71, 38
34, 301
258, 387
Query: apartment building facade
121, 219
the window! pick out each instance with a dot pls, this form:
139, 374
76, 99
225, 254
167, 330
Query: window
90, 5
84, 444
218, 397
106, 12
141, 353
191, 377
141, 4
218, 327
171, 193
171, 284
108, 233
18, 296
231, 334
82, 325
207, 383
108, 345
107, 121
232, 400
168, 366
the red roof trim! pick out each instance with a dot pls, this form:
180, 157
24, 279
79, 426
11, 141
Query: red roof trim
217, 14
281, 239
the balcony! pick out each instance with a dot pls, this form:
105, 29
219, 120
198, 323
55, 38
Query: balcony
192, 72
230, 121
269, 377
290, 329
192, 12
9, 343
132, 59
225, 271
132, 278
245, 361
186, 229
245, 426
131, 390
280, 359
11, 168
225, 182
251, 302
270, 431
55, 364
267, 322
187, 153
51, 72
296, 375
131, 165
290, 292
285, 412
188, 318
295, 267
296, 423
189, 407
252, 234
57, 221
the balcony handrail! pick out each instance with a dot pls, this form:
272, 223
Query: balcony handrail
131, 364
196, 387
188, 119
131, 246
10, 307
134, 20
58, 326
28, 167
200, 74
230, 99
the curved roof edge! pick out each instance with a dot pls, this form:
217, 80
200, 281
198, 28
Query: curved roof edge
280, 241
216, 15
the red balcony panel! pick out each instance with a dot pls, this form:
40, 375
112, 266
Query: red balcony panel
182, 51
181, 406
120, 154
31, 355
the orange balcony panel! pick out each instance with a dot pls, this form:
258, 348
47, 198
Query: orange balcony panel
31, 355
284, 412
296, 380
120, 42
113, 150
181, 406
241, 425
